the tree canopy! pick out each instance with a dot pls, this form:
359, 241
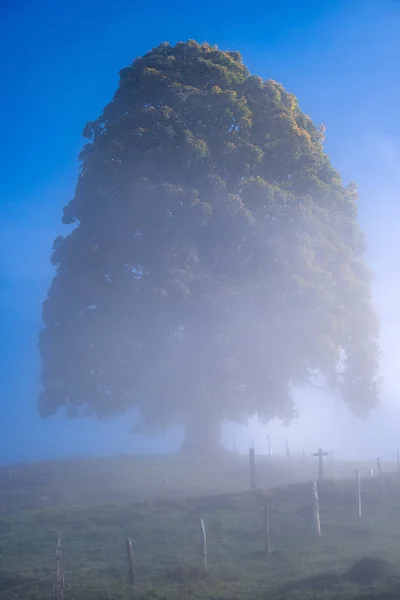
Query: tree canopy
216, 260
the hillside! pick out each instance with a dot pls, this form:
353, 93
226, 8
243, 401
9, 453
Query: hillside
127, 478
95, 505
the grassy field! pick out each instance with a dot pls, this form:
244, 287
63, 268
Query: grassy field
158, 503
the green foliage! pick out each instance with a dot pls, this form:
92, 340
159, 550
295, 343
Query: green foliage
216, 260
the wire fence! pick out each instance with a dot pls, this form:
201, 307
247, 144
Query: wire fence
286, 510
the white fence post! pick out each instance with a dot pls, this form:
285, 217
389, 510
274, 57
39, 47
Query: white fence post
316, 517
203, 529
358, 493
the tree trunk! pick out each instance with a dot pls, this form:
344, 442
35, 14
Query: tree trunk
203, 436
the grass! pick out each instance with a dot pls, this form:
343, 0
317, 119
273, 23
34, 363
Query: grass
96, 505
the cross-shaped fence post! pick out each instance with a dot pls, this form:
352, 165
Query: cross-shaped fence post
320, 456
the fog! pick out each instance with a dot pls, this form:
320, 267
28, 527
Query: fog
90, 508
323, 420
362, 142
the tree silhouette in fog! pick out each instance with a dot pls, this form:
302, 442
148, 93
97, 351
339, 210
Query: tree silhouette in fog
216, 262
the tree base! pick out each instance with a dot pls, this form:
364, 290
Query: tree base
203, 438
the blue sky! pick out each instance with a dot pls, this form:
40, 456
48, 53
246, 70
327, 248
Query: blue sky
59, 65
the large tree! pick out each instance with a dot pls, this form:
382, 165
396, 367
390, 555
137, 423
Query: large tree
216, 260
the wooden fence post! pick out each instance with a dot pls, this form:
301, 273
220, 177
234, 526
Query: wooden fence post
358, 493
131, 566
288, 454
381, 477
266, 532
203, 529
234, 446
320, 456
60, 582
252, 465
316, 517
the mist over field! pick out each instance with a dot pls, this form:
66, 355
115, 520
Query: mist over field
322, 419
200, 301
362, 142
